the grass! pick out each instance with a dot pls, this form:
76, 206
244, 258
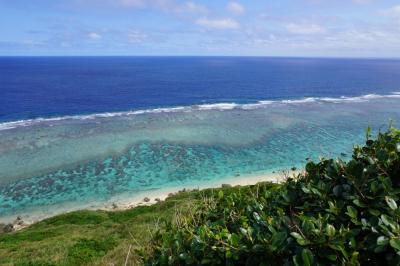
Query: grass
95, 237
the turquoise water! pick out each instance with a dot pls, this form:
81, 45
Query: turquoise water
78, 161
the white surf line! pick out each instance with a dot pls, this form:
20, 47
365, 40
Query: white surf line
198, 107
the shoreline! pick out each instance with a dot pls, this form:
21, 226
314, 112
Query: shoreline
143, 198
161, 194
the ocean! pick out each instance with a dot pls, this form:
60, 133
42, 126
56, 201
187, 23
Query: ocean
79, 132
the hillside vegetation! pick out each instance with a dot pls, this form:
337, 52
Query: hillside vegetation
91, 237
335, 213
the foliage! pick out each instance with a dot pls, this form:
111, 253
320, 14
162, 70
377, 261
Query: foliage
89, 237
335, 213
85, 250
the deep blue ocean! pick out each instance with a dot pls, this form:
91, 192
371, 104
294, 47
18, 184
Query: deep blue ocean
90, 132
32, 87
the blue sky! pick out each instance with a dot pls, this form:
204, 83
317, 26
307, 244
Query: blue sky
331, 28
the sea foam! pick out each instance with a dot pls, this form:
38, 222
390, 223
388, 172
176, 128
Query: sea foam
200, 107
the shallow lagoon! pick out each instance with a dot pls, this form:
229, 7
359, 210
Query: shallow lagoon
74, 162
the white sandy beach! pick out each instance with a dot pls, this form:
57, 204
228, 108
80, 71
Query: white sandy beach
122, 202
127, 201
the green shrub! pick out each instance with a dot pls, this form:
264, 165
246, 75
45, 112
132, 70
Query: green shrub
79, 218
86, 250
17, 237
335, 213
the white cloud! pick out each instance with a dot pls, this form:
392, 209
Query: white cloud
236, 8
392, 12
306, 29
191, 7
170, 6
137, 36
94, 35
223, 23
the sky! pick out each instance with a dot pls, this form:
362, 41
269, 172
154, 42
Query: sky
321, 28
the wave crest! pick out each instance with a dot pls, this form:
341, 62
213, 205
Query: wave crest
201, 107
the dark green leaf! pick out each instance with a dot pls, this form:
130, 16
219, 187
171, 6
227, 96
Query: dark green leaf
395, 243
307, 257
352, 212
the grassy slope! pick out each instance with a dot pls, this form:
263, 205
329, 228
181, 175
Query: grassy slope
87, 237
93, 237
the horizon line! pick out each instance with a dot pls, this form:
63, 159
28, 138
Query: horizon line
226, 56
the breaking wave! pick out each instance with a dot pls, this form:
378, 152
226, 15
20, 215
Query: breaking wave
200, 107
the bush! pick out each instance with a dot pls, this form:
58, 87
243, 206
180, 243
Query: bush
86, 250
335, 213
